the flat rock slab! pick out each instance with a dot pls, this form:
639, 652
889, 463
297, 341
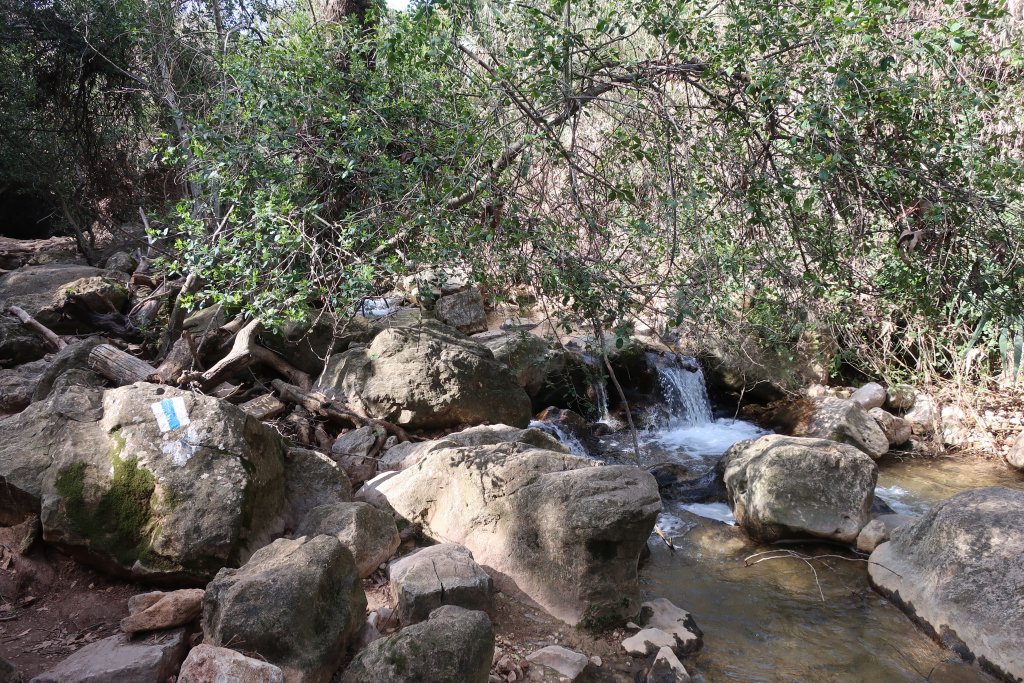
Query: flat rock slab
566, 662
958, 572
208, 664
143, 660
664, 616
444, 574
647, 642
163, 610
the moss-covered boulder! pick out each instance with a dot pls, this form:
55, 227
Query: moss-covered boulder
43, 290
115, 491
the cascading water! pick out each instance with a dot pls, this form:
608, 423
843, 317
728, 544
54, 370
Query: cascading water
686, 395
567, 438
691, 433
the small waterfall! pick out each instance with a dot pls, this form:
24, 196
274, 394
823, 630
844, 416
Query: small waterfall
568, 439
601, 401
686, 395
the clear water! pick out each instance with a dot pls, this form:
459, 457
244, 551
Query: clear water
784, 619
568, 439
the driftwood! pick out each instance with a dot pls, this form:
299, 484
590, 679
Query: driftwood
319, 404
49, 336
179, 361
119, 367
245, 351
146, 311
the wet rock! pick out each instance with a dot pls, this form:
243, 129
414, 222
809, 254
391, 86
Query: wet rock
444, 574
878, 530
1015, 456
870, 395
455, 644
369, 534
311, 481
428, 376
896, 429
900, 397
463, 310
112, 488
566, 662
666, 668
119, 658
18, 384
847, 422
957, 572
661, 614
648, 641
784, 486
208, 664
566, 531
297, 603
175, 608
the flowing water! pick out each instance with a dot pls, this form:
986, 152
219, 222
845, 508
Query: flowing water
788, 619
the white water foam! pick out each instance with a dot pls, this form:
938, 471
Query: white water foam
717, 511
708, 439
901, 500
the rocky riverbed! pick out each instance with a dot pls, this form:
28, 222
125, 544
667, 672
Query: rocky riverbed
409, 495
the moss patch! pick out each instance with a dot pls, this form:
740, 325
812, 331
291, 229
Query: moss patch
117, 523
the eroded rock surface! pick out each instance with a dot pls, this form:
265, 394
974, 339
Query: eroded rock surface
958, 572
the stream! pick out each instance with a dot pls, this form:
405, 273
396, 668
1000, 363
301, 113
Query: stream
786, 619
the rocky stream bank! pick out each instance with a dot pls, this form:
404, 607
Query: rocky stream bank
412, 494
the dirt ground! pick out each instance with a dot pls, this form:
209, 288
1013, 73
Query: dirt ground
51, 606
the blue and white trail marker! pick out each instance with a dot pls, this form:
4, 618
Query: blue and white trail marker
170, 413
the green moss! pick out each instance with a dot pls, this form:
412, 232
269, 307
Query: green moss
117, 523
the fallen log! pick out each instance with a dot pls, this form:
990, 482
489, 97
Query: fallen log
246, 350
49, 336
317, 403
264, 407
119, 367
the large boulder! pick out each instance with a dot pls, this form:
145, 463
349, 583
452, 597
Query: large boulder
406, 454
563, 529
208, 664
444, 574
784, 486
845, 421
42, 291
369, 534
455, 644
462, 310
120, 658
896, 429
427, 376
308, 343
532, 361
312, 480
958, 572
298, 603
870, 395
114, 490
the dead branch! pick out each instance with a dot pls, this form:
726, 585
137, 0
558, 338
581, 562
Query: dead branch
245, 351
317, 403
49, 336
